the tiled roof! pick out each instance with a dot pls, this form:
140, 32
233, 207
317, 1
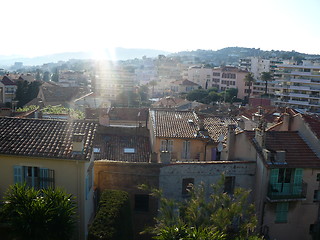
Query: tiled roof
314, 123
186, 124
62, 94
169, 102
128, 114
217, 126
185, 83
112, 147
7, 81
297, 153
44, 138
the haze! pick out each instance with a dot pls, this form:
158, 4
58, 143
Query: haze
32, 28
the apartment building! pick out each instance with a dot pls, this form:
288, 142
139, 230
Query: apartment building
230, 77
257, 65
200, 75
110, 80
298, 86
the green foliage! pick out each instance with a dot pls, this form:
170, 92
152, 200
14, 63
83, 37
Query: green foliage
55, 76
249, 79
221, 216
266, 76
27, 108
26, 91
127, 99
46, 214
212, 95
197, 95
113, 219
75, 114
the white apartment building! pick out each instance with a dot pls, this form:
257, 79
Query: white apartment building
257, 65
298, 86
201, 76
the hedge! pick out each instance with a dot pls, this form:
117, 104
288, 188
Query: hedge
113, 218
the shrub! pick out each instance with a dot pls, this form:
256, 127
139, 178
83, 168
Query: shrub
113, 219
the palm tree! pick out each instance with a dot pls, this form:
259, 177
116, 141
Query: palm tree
266, 76
249, 79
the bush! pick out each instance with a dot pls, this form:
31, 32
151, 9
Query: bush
113, 219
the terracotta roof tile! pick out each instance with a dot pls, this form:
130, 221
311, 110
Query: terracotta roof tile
297, 153
314, 123
44, 138
186, 124
112, 147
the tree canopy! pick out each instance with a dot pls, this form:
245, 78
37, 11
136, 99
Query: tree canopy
221, 216
46, 214
26, 91
212, 95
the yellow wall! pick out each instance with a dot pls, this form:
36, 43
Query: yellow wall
69, 175
196, 147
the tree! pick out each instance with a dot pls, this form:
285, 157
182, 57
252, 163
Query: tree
249, 79
38, 214
46, 76
221, 216
197, 95
38, 75
26, 92
55, 76
266, 76
153, 83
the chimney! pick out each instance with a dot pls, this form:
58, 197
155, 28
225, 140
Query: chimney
286, 122
231, 141
77, 142
260, 137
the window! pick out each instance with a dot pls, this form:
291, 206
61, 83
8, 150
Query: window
316, 196
285, 175
186, 150
166, 145
187, 184
34, 176
141, 202
318, 177
282, 212
89, 179
229, 184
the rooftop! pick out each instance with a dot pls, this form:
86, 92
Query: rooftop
44, 138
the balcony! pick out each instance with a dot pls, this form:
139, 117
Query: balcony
287, 192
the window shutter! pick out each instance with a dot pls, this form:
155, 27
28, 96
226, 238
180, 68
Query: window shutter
44, 175
163, 145
17, 173
274, 173
298, 174
282, 212
170, 146
87, 186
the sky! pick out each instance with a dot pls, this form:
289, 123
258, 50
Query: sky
39, 27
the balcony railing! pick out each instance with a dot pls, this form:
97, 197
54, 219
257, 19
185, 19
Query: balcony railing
287, 191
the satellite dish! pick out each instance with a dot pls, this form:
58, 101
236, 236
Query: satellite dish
221, 137
220, 147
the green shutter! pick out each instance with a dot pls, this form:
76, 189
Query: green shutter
298, 174
17, 174
282, 212
274, 173
44, 174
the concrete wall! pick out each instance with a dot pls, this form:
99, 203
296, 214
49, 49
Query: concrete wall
127, 177
171, 176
